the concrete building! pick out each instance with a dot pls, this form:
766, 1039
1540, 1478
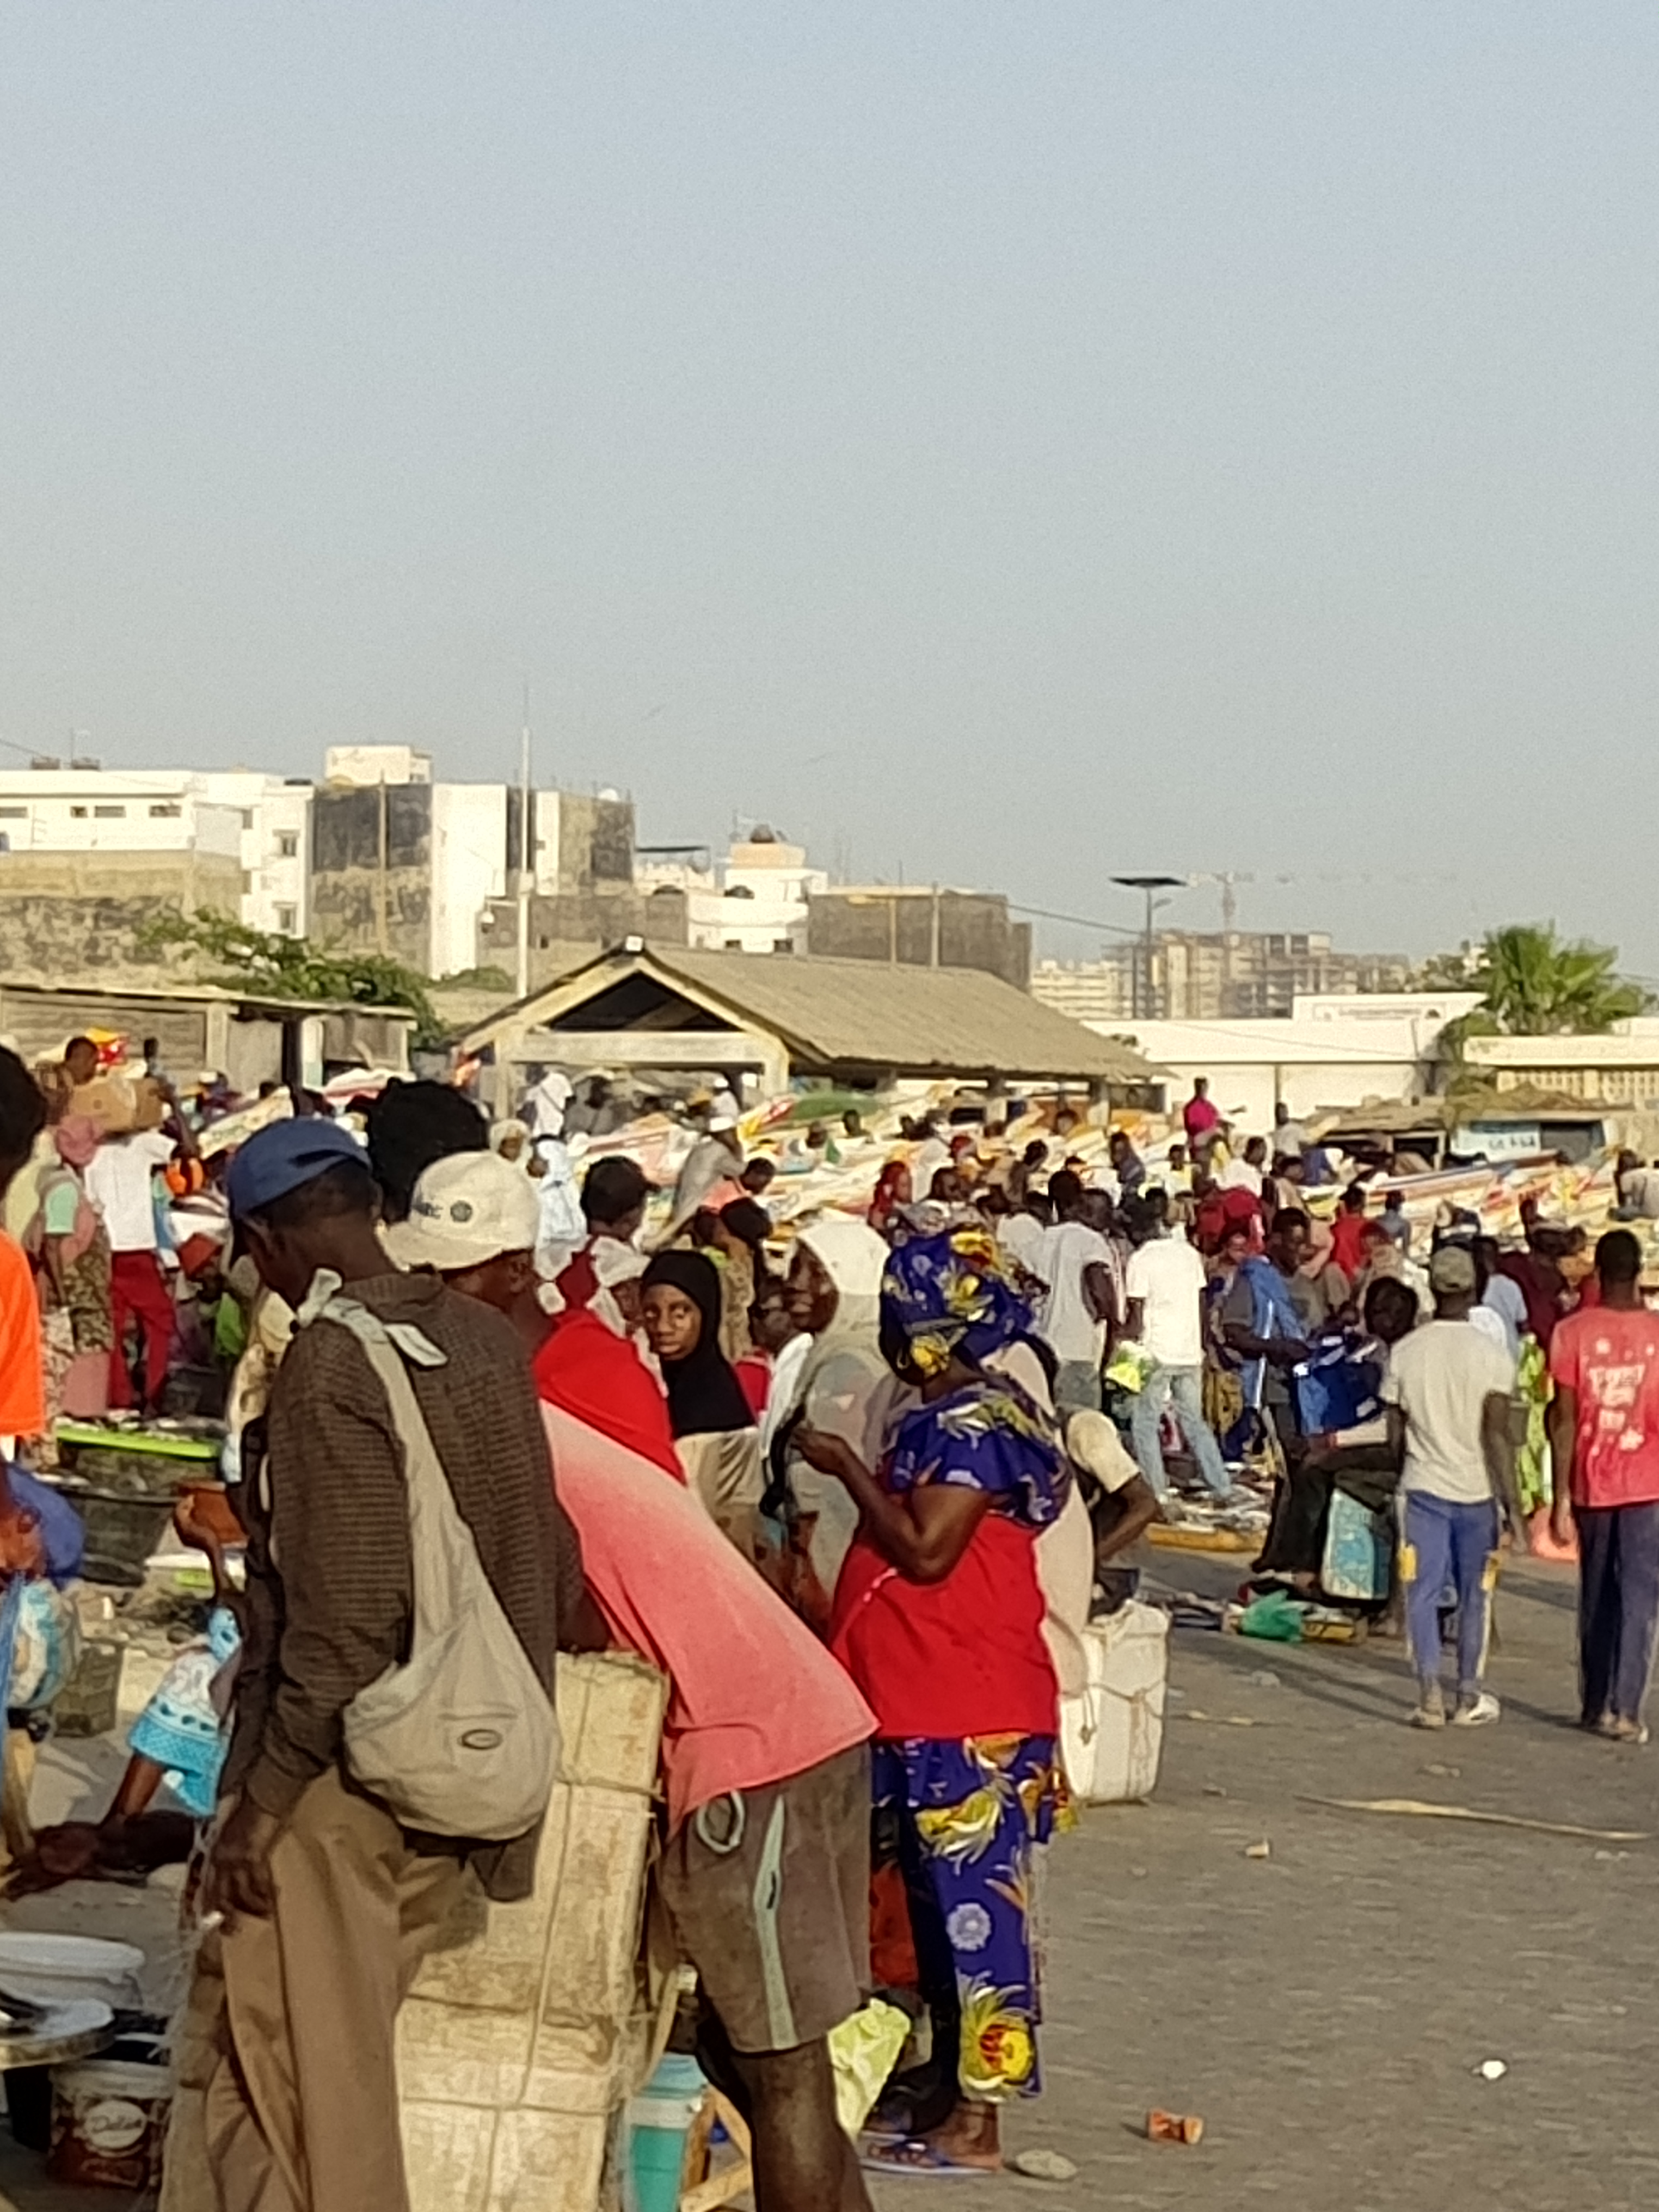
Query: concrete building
234, 838
920, 926
1199, 976
1618, 1069
754, 901
428, 873
1331, 1051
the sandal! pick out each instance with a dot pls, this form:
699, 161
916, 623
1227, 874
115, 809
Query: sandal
915, 2156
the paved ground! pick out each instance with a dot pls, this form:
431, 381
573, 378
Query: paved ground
1327, 2010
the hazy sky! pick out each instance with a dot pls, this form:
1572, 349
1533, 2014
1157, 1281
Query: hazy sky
1014, 444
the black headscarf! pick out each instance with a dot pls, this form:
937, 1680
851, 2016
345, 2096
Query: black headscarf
704, 1396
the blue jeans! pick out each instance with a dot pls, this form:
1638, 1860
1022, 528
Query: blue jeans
1455, 1546
1183, 1385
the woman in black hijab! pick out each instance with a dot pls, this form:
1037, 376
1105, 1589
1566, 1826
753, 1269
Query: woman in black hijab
714, 1431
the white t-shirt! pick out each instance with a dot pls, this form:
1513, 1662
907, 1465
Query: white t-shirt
1168, 1276
1067, 1324
118, 1177
1020, 1236
1440, 1377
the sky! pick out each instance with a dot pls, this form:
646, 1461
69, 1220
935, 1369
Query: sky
1007, 447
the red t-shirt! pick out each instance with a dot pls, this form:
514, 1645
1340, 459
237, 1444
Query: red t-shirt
1611, 1359
588, 1369
1199, 1117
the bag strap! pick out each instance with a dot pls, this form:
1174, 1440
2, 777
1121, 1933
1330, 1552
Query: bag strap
389, 1347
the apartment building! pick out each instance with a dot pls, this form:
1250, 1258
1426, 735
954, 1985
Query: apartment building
231, 838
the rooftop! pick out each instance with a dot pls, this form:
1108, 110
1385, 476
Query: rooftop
830, 1014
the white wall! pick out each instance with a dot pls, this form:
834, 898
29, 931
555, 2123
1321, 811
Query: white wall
238, 813
273, 814
1252, 1064
469, 867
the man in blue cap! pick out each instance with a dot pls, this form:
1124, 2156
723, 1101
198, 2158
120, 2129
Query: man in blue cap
329, 1904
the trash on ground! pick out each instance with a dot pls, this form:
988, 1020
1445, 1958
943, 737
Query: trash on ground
1264, 1850
1174, 2127
1044, 2165
1492, 2069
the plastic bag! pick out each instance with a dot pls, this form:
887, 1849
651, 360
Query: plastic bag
1129, 1366
1275, 1619
862, 2052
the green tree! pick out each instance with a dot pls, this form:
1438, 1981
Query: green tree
227, 952
1535, 984
1532, 983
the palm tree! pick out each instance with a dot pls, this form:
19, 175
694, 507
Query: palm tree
1535, 985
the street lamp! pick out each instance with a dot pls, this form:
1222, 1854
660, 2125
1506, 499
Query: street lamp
1151, 886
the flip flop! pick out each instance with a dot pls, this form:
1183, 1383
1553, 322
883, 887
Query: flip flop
915, 2156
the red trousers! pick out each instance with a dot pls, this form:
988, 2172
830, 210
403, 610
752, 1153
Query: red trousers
139, 1293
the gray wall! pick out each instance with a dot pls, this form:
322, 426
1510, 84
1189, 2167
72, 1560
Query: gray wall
353, 874
975, 931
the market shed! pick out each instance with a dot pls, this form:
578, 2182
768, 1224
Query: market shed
839, 1021
244, 1035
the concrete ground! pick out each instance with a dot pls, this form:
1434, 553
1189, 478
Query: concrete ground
1326, 2009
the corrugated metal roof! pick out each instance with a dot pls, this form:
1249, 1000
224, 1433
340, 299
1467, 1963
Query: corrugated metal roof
862, 1014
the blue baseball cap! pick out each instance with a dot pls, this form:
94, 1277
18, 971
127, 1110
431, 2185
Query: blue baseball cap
284, 1158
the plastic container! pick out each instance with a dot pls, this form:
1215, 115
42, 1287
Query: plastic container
109, 2123
89, 1703
122, 1531
658, 2121
1112, 1733
59, 1969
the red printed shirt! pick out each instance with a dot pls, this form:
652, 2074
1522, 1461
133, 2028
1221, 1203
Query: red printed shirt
1611, 1359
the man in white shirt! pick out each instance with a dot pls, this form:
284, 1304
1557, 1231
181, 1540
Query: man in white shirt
1075, 1261
120, 1182
1244, 1172
1166, 1291
1290, 1137
1449, 1387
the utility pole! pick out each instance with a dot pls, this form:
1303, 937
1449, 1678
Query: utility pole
1146, 999
381, 929
934, 962
525, 877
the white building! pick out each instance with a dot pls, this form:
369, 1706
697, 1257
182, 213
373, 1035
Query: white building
754, 900
263, 821
1333, 1051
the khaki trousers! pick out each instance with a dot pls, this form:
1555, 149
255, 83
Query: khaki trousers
287, 2083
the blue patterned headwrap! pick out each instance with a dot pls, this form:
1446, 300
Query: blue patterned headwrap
951, 1293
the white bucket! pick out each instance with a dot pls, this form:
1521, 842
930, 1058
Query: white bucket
109, 2123
59, 1969
1112, 1735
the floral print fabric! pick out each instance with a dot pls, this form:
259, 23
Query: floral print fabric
977, 1808
951, 1294
987, 1436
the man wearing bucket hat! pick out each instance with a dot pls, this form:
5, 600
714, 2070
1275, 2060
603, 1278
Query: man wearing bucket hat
766, 1870
329, 1904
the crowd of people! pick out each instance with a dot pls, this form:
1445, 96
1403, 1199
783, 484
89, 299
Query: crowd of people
859, 1509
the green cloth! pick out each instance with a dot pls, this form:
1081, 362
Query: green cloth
229, 1329
61, 1205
